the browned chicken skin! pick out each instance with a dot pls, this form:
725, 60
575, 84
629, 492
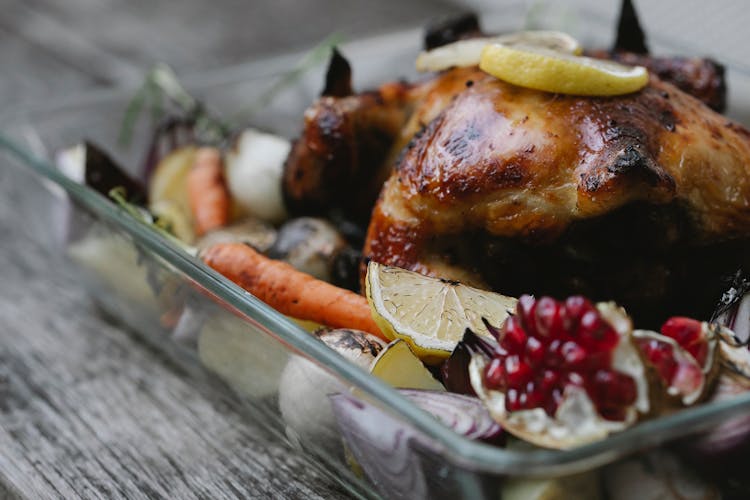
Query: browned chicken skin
643, 198
639, 198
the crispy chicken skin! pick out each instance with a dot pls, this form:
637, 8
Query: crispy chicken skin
643, 198
700, 77
341, 160
499, 166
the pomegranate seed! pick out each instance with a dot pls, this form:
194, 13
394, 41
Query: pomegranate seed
661, 356
573, 354
576, 306
689, 334
699, 350
534, 351
525, 311
549, 322
531, 398
598, 361
514, 338
512, 402
517, 373
549, 381
595, 333
494, 374
613, 389
553, 357
685, 331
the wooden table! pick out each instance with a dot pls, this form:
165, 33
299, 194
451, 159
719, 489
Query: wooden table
86, 409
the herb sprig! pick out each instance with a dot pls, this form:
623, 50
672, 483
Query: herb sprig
164, 96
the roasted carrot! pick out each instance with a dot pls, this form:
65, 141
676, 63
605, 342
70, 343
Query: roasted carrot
290, 291
207, 191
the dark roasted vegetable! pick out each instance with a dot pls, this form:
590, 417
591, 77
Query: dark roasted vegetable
455, 370
630, 36
449, 29
85, 163
338, 76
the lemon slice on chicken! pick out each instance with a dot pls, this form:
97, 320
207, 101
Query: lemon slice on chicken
553, 71
430, 314
467, 52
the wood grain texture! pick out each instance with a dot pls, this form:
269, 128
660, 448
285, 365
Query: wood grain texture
87, 410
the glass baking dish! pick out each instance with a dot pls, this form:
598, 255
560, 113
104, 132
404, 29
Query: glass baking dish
264, 364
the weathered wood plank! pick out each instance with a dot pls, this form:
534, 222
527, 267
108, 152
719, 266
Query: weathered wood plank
87, 410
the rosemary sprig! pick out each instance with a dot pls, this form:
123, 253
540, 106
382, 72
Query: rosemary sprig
163, 94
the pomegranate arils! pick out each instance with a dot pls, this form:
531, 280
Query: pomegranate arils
549, 321
575, 307
525, 312
517, 373
534, 351
595, 333
685, 331
513, 337
549, 345
699, 350
573, 354
549, 381
661, 355
688, 333
495, 374
615, 387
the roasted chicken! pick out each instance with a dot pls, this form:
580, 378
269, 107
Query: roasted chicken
642, 198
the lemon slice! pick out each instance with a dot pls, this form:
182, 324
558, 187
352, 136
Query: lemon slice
430, 314
551, 71
467, 52
398, 366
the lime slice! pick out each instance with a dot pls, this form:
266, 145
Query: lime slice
551, 71
468, 52
398, 366
430, 314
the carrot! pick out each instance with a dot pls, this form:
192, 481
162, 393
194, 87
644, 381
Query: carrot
207, 191
289, 291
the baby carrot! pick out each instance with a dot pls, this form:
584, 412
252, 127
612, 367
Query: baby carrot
289, 291
207, 191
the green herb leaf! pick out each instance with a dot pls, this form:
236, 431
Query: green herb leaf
163, 93
119, 195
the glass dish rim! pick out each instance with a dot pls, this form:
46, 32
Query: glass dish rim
449, 445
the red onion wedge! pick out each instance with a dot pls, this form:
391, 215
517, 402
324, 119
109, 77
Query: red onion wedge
391, 453
466, 415
454, 371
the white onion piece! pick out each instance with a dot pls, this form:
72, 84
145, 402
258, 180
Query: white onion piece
254, 169
304, 387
